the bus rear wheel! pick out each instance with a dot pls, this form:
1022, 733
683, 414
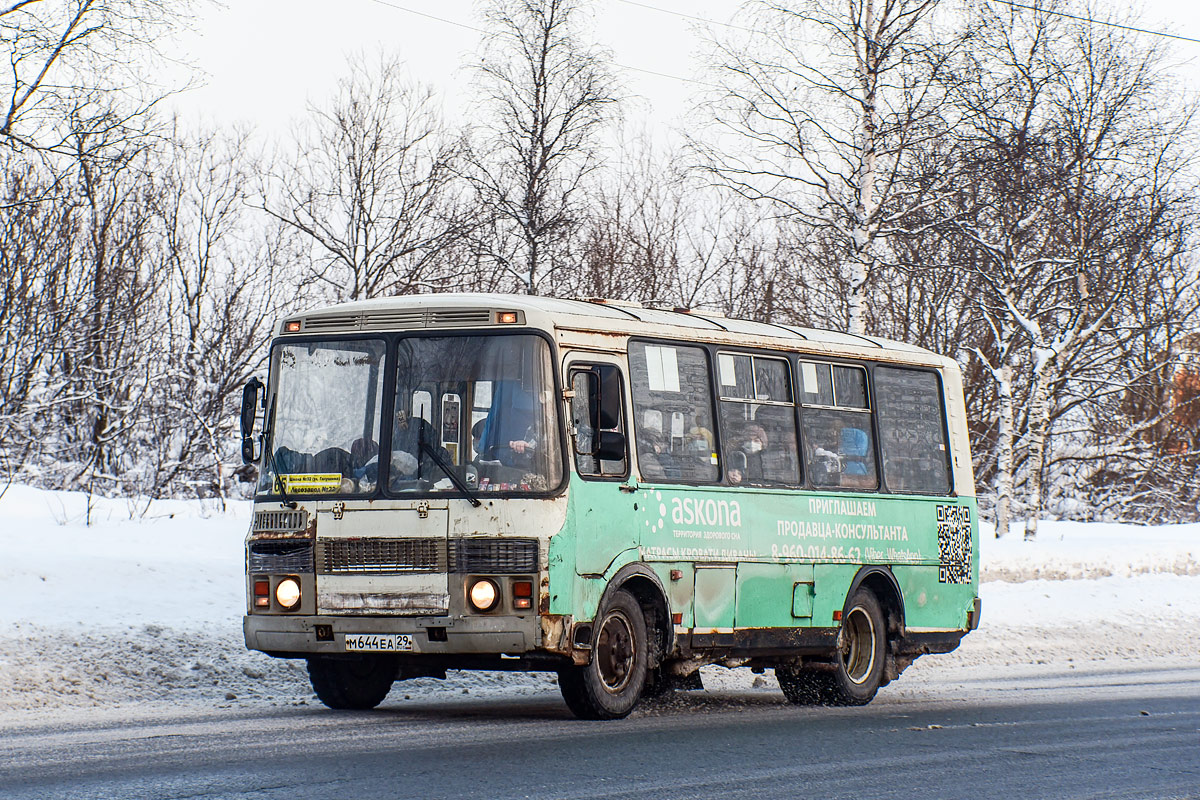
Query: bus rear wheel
861, 652
356, 684
802, 687
611, 683
858, 663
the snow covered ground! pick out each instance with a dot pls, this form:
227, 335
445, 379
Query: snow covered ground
143, 607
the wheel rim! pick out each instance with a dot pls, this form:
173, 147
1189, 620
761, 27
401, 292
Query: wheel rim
858, 645
615, 652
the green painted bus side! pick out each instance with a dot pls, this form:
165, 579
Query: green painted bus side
765, 558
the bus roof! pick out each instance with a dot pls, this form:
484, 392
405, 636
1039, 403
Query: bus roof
578, 318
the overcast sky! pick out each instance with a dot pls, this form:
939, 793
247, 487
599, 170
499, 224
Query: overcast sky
267, 59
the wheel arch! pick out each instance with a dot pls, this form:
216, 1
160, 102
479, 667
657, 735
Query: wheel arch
646, 587
886, 588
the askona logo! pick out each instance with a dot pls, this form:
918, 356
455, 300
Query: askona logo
700, 511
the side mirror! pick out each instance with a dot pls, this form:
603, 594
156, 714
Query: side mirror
610, 446
249, 409
608, 407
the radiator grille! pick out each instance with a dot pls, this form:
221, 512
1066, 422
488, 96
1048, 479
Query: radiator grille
379, 556
276, 557
366, 556
465, 316
280, 521
494, 555
398, 318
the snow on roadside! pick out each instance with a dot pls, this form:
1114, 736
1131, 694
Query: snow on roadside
144, 606
1075, 550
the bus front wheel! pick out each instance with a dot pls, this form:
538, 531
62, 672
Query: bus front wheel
354, 684
858, 663
611, 683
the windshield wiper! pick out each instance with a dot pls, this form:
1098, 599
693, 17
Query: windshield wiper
268, 433
458, 482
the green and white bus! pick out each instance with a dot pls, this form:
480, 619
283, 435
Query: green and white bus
616, 493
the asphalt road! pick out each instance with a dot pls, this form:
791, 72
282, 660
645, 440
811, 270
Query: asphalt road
1103, 734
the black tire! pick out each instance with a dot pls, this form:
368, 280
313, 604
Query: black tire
611, 683
802, 687
858, 663
356, 684
861, 655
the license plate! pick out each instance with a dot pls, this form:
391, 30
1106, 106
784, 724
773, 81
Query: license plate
378, 642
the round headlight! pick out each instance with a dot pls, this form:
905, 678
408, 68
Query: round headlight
484, 595
287, 593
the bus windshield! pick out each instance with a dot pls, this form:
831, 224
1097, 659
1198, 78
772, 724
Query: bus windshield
476, 411
479, 406
325, 417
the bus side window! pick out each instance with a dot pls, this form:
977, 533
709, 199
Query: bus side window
912, 431
608, 381
673, 412
836, 426
758, 420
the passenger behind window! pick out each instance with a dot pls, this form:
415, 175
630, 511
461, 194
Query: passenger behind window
508, 443
854, 451
511, 433
764, 451
408, 434
699, 446
753, 444
655, 458
476, 438
364, 456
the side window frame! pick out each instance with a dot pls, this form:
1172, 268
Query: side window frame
945, 429
868, 414
720, 398
583, 366
714, 417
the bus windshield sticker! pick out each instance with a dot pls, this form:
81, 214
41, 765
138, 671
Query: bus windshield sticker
312, 483
662, 369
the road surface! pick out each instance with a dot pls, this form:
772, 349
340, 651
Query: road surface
1099, 734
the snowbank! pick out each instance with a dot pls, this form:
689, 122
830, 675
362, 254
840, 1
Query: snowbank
1075, 550
144, 606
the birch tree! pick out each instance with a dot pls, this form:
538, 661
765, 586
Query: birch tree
818, 111
546, 97
372, 185
66, 55
1069, 197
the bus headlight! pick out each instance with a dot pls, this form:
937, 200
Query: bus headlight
484, 594
287, 593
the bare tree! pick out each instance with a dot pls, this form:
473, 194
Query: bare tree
227, 279
103, 374
548, 96
818, 112
1071, 200
39, 226
65, 55
372, 185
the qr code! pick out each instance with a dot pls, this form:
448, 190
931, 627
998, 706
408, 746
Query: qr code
954, 544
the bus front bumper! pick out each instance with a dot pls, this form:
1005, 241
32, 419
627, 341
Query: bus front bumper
299, 636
